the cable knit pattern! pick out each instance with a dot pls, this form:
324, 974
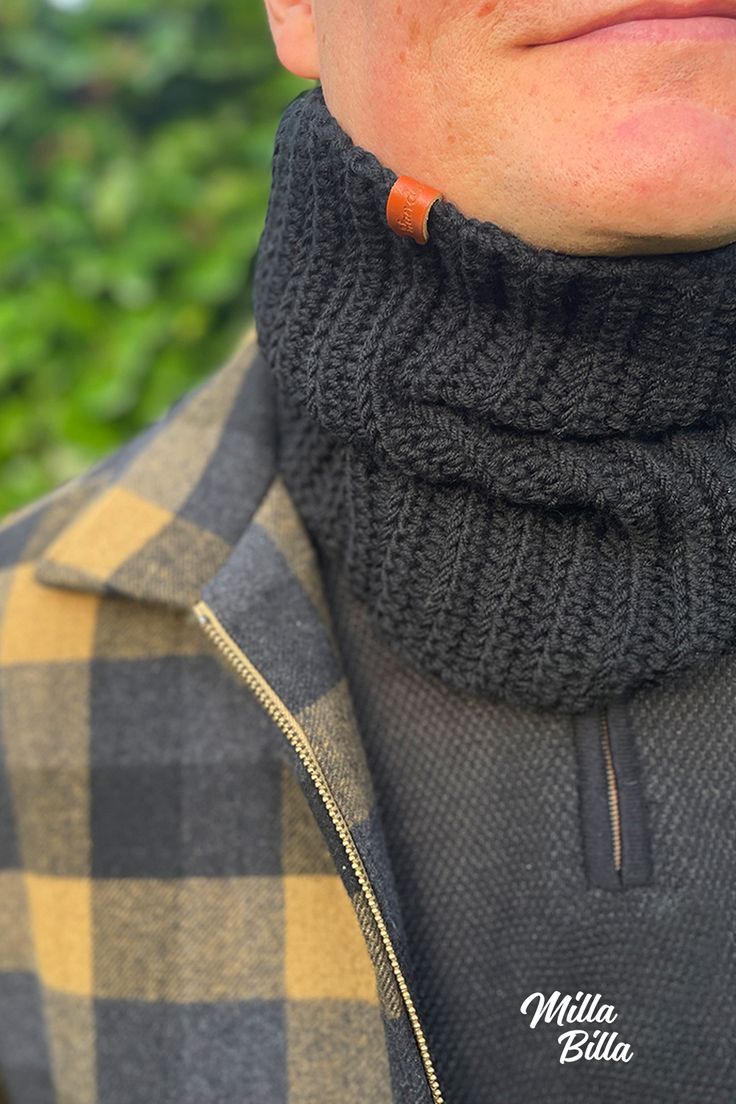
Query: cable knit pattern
524, 460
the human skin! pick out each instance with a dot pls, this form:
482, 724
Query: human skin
622, 148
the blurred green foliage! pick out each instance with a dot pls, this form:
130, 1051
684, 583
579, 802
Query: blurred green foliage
135, 147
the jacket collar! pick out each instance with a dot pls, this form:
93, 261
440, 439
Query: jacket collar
160, 516
194, 508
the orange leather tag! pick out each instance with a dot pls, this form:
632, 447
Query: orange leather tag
407, 208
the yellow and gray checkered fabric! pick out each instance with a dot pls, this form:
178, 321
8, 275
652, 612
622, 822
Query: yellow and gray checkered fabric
178, 920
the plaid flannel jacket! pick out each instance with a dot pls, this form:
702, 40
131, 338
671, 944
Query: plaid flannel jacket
195, 899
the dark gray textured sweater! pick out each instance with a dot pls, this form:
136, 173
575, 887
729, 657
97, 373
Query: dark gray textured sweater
518, 468
483, 806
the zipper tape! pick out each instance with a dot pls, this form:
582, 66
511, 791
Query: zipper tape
296, 736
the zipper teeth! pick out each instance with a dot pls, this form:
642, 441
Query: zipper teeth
614, 806
297, 738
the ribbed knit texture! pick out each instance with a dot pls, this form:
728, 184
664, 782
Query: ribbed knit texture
525, 459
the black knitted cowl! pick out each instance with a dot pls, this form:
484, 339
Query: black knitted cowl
524, 460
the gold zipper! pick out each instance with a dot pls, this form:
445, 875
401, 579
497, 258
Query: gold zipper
298, 739
614, 805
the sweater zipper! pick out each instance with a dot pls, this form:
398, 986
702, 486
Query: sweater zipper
613, 808
614, 805
299, 741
